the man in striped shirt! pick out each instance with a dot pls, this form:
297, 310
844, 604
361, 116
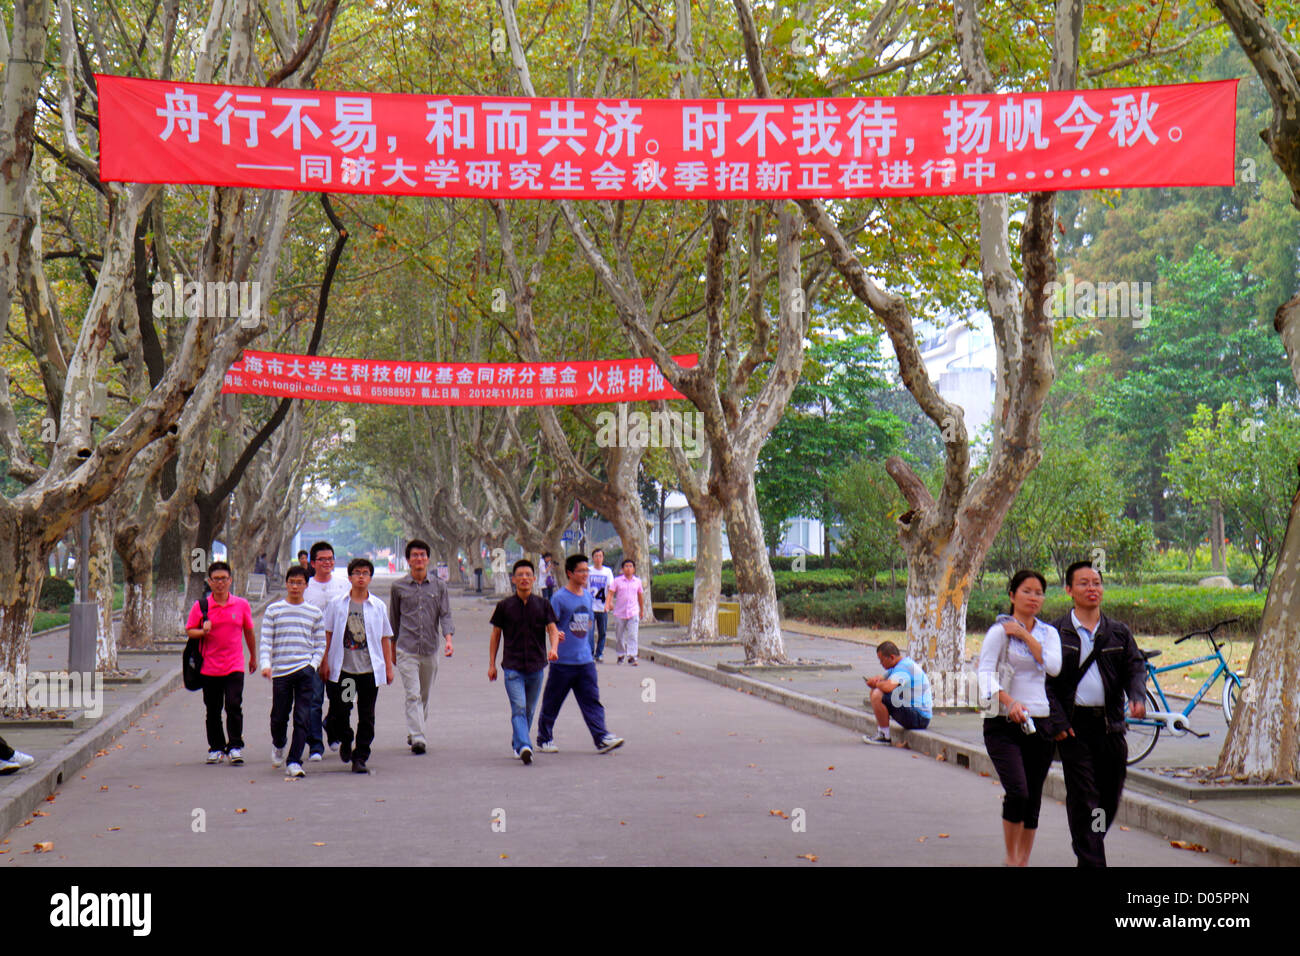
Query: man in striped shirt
293, 644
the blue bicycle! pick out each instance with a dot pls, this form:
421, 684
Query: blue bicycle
1143, 732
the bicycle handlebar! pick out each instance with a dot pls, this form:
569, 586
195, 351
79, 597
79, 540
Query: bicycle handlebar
1208, 634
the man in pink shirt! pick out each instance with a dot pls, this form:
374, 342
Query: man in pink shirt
629, 602
223, 661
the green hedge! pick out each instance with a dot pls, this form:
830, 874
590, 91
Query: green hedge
55, 593
679, 587
1156, 609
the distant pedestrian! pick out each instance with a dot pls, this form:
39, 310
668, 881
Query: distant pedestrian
227, 618
323, 588
1019, 653
11, 760
292, 647
358, 660
575, 668
903, 693
523, 625
629, 604
598, 582
304, 562
420, 610
259, 566
548, 576
478, 579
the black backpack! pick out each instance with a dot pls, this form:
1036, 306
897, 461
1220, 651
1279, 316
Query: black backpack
192, 659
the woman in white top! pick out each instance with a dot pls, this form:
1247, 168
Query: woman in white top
1021, 753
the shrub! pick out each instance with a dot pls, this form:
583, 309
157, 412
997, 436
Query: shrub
55, 593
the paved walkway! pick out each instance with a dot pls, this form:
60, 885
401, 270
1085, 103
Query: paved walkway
708, 776
1275, 814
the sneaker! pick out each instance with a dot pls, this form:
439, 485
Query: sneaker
316, 757
620, 658
334, 746
632, 661
236, 756
345, 751
600, 660
22, 759
9, 766
548, 747
215, 756
277, 756
295, 770
526, 755
419, 747
359, 766
609, 742
877, 739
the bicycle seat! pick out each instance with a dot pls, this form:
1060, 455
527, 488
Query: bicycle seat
1150, 654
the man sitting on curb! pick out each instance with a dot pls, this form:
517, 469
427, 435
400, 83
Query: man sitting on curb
903, 693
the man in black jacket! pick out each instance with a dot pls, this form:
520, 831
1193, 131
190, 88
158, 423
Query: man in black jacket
1100, 665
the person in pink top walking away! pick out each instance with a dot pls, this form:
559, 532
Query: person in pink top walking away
227, 619
629, 604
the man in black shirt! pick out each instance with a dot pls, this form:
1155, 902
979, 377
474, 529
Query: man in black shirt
1100, 666
531, 640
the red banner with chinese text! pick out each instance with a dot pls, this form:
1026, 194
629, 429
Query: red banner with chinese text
562, 147
381, 381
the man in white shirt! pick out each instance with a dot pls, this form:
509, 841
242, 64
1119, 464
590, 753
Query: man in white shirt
598, 582
359, 659
1100, 665
323, 588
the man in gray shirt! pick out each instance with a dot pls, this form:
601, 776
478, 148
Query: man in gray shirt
419, 609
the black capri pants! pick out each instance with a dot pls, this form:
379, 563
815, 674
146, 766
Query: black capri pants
1022, 761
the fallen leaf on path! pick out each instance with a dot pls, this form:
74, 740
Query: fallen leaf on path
699, 816
1185, 845
920, 839
39, 813
940, 756
288, 819
104, 787
318, 844
242, 810
778, 813
45, 847
984, 774
831, 767
732, 734
135, 786
1125, 829
943, 836
101, 753
810, 857
50, 798
751, 765
505, 856
828, 792
622, 823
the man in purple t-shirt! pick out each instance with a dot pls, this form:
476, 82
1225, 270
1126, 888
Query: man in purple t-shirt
222, 674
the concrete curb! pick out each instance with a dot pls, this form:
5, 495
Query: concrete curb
26, 790
1171, 821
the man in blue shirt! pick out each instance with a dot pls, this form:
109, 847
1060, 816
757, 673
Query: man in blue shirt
575, 669
903, 693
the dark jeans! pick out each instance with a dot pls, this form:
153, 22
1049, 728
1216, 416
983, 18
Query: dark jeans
909, 718
1094, 763
339, 722
292, 692
598, 635
315, 742
581, 679
227, 689
1022, 761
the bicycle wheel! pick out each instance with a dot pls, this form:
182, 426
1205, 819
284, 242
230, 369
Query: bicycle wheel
1231, 692
1142, 736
